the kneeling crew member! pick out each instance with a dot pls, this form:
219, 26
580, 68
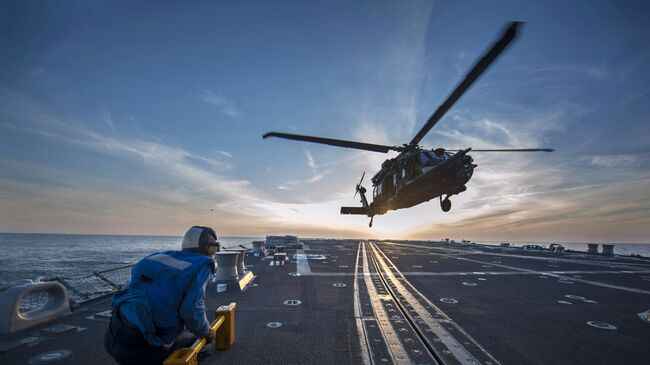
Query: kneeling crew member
165, 296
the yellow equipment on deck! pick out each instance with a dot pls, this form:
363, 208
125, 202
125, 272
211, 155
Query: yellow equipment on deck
224, 325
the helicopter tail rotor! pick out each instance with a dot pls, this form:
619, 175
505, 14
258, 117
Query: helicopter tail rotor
359, 187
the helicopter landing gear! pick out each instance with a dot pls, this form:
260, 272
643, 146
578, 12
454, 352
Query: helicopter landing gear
445, 204
370, 224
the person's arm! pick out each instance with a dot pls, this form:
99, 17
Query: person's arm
193, 306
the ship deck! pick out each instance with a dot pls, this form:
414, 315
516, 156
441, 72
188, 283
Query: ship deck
407, 303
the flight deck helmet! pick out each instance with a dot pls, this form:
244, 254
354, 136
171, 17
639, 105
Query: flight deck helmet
201, 239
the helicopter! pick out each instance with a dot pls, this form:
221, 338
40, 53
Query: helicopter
417, 175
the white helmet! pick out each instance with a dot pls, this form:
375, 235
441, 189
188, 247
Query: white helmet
201, 239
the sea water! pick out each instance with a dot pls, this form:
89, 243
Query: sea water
30, 257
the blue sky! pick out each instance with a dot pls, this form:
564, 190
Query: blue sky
147, 117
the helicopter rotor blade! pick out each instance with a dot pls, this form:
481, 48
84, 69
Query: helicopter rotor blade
512, 150
335, 142
356, 189
469, 79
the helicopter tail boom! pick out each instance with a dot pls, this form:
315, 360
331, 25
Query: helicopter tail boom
355, 210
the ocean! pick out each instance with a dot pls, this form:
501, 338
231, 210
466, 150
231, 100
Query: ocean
29, 257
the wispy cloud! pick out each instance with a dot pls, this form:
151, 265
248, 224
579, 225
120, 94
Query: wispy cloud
317, 173
225, 153
171, 188
224, 105
596, 72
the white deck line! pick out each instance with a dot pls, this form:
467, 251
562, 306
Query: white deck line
437, 309
361, 329
395, 349
487, 273
596, 261
455, 347
302, 263
571, 278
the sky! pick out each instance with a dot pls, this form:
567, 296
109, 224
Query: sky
147, 117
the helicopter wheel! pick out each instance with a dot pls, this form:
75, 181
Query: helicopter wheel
370, 224
445, 204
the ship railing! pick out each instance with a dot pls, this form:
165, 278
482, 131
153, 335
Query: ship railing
80, 289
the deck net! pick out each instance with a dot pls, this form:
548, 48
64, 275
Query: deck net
83, 288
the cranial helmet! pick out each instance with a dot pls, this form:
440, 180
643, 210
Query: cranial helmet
201, 239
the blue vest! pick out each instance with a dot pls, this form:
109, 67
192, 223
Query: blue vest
158, 285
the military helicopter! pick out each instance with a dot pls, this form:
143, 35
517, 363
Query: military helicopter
417, 175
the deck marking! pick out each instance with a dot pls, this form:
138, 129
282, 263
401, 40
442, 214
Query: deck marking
566, 279
457, 252
578, 297
456, 349
545, 274
437, 310
361, 331
602, 325
274, 324
395, 348
302, 263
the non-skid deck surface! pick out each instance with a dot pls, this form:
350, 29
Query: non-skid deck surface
351, 302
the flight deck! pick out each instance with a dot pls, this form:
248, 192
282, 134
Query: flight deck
404, 302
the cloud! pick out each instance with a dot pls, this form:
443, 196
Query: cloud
599, 73
167, 188
225, 153
616, 160
317, 174
225, 105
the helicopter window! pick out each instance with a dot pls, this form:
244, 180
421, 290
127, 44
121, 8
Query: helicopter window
374, 192
403, 172
430, 158
390, 186
395, 180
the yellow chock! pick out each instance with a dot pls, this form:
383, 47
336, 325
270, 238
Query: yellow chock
224, 325
226, 334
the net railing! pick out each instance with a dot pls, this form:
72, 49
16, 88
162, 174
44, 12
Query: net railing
97, 284
83, 288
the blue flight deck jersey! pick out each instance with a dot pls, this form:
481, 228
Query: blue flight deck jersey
165, 294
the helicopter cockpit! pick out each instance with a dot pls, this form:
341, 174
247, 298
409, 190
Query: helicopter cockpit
430, 158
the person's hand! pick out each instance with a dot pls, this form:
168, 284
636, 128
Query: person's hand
212, 333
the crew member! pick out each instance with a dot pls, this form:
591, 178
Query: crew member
162, 308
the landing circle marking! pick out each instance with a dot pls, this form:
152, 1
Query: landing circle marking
29, 339
449, 300
294, 274
590, 301
482, 279
564, 302
602, 325
292, 302
571, 296
339, 285
274, 324
469, 284
50, 356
